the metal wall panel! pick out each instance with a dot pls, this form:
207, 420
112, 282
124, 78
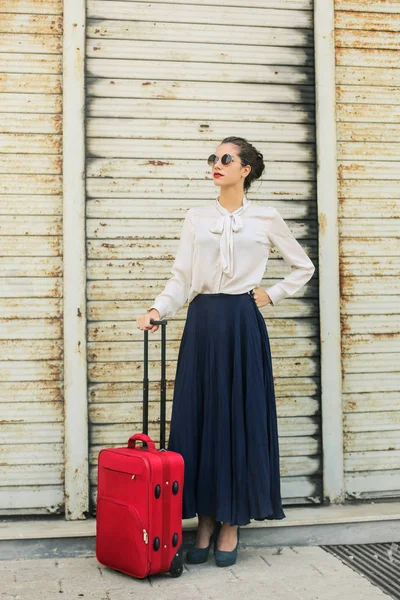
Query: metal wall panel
31, 349
368, 127
157, 105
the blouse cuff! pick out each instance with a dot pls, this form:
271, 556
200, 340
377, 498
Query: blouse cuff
275, 293
159, 305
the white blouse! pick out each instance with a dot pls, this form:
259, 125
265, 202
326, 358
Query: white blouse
223, 252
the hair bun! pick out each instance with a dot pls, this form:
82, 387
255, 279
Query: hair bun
249, 155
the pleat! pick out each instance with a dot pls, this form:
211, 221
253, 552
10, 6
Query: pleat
224, 419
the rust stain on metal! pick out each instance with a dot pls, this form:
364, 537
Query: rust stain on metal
58, 123
78, 313
166, 96
158, 163
78, 60
386, 336
54, 142
96, 48
344, 326
146, 83
281, 193
322, 223
353, 167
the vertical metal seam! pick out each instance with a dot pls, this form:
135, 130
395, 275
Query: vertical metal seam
74, 257
328, 252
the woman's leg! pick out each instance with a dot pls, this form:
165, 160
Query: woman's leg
204, 531
227, 538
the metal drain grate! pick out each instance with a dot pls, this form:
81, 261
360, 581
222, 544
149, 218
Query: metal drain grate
379, 563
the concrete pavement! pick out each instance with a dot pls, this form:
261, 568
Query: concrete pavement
273, 573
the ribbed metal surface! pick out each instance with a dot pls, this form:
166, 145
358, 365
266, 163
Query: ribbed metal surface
368, 127
379, 563
31, 287
157, 105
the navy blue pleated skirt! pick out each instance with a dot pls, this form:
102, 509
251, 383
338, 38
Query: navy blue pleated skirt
224, 420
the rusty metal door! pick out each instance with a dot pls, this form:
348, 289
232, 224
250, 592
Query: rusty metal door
31, 368
368, 128
165, 84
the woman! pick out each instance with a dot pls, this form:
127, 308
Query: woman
224, 419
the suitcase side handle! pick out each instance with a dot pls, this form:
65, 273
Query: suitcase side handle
142, 437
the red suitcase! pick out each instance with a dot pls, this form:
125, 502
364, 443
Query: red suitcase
139, 498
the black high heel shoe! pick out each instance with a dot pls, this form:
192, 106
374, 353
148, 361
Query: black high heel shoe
196, 556
224, 558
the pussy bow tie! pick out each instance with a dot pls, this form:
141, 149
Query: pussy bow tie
226, 224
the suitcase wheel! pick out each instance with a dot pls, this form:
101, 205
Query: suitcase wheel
176, 568
176, 571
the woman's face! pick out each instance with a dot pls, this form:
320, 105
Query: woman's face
232, 174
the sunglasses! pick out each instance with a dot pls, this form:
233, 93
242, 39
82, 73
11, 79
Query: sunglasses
226, 159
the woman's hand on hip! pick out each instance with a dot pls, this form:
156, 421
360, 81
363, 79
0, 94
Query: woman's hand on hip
261, 297
143, 321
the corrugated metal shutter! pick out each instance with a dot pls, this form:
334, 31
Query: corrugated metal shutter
31, 406
367, 42
165, 84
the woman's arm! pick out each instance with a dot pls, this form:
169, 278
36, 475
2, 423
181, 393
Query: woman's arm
294, 255
176, 290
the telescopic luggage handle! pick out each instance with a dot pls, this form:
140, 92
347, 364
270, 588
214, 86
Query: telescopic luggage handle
163, 392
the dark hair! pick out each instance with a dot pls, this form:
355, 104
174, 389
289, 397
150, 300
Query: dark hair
248, 155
